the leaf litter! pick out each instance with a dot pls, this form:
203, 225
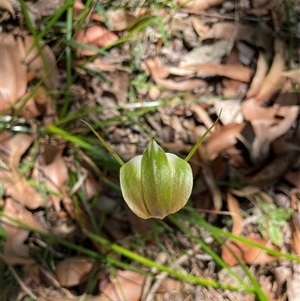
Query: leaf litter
167, 79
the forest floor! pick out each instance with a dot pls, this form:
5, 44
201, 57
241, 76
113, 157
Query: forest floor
137, 71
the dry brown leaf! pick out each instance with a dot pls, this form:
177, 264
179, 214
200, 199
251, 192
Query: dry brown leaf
16, 185
200, 27
72, 271
160, 72
247, 191
198, 6
269, 123
253, 255
38, 105
226, 30
231, 110
234, 208
293, 74
127, 285
101, 65
42, 64
78, 7
237, 229
120, 19
234, 71
15, 251
233, 86
228, 249
6, 5
274, 80
253, 9
153, 65
95, 35
13, 84
246, 253
18, 212
260, 73
54, 169
221, 140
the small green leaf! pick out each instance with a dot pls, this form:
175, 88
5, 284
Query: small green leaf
275, 235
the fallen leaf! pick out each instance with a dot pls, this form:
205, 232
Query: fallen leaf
221, 140
260, 73
199, 25
293, 74
6, 5
234, 208
227, 30
42, 63
273, 81
236, 72
255, 10
269, 123
16, 185
95, 35
119, 19
232, 87
159, 72
13, 84
231, 110
15, 251
205, 54
198, 6
253, 255
72, 270
54, 169
246, 253
127, 285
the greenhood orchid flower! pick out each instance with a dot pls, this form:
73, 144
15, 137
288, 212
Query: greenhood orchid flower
156, 183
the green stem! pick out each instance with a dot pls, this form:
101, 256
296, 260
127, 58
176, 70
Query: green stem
113, 153
188, 157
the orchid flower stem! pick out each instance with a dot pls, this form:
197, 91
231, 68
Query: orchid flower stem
106, 145
195, 147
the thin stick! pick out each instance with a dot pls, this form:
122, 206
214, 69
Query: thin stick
162, 276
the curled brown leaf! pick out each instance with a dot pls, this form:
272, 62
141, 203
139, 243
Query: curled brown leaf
198, 6
236, 72
16, 185
160, 72
71, 271
13, 84
95, 35
226, 30
269, 123
260, 73
221, 140
15, 251
41, 60
273, 81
